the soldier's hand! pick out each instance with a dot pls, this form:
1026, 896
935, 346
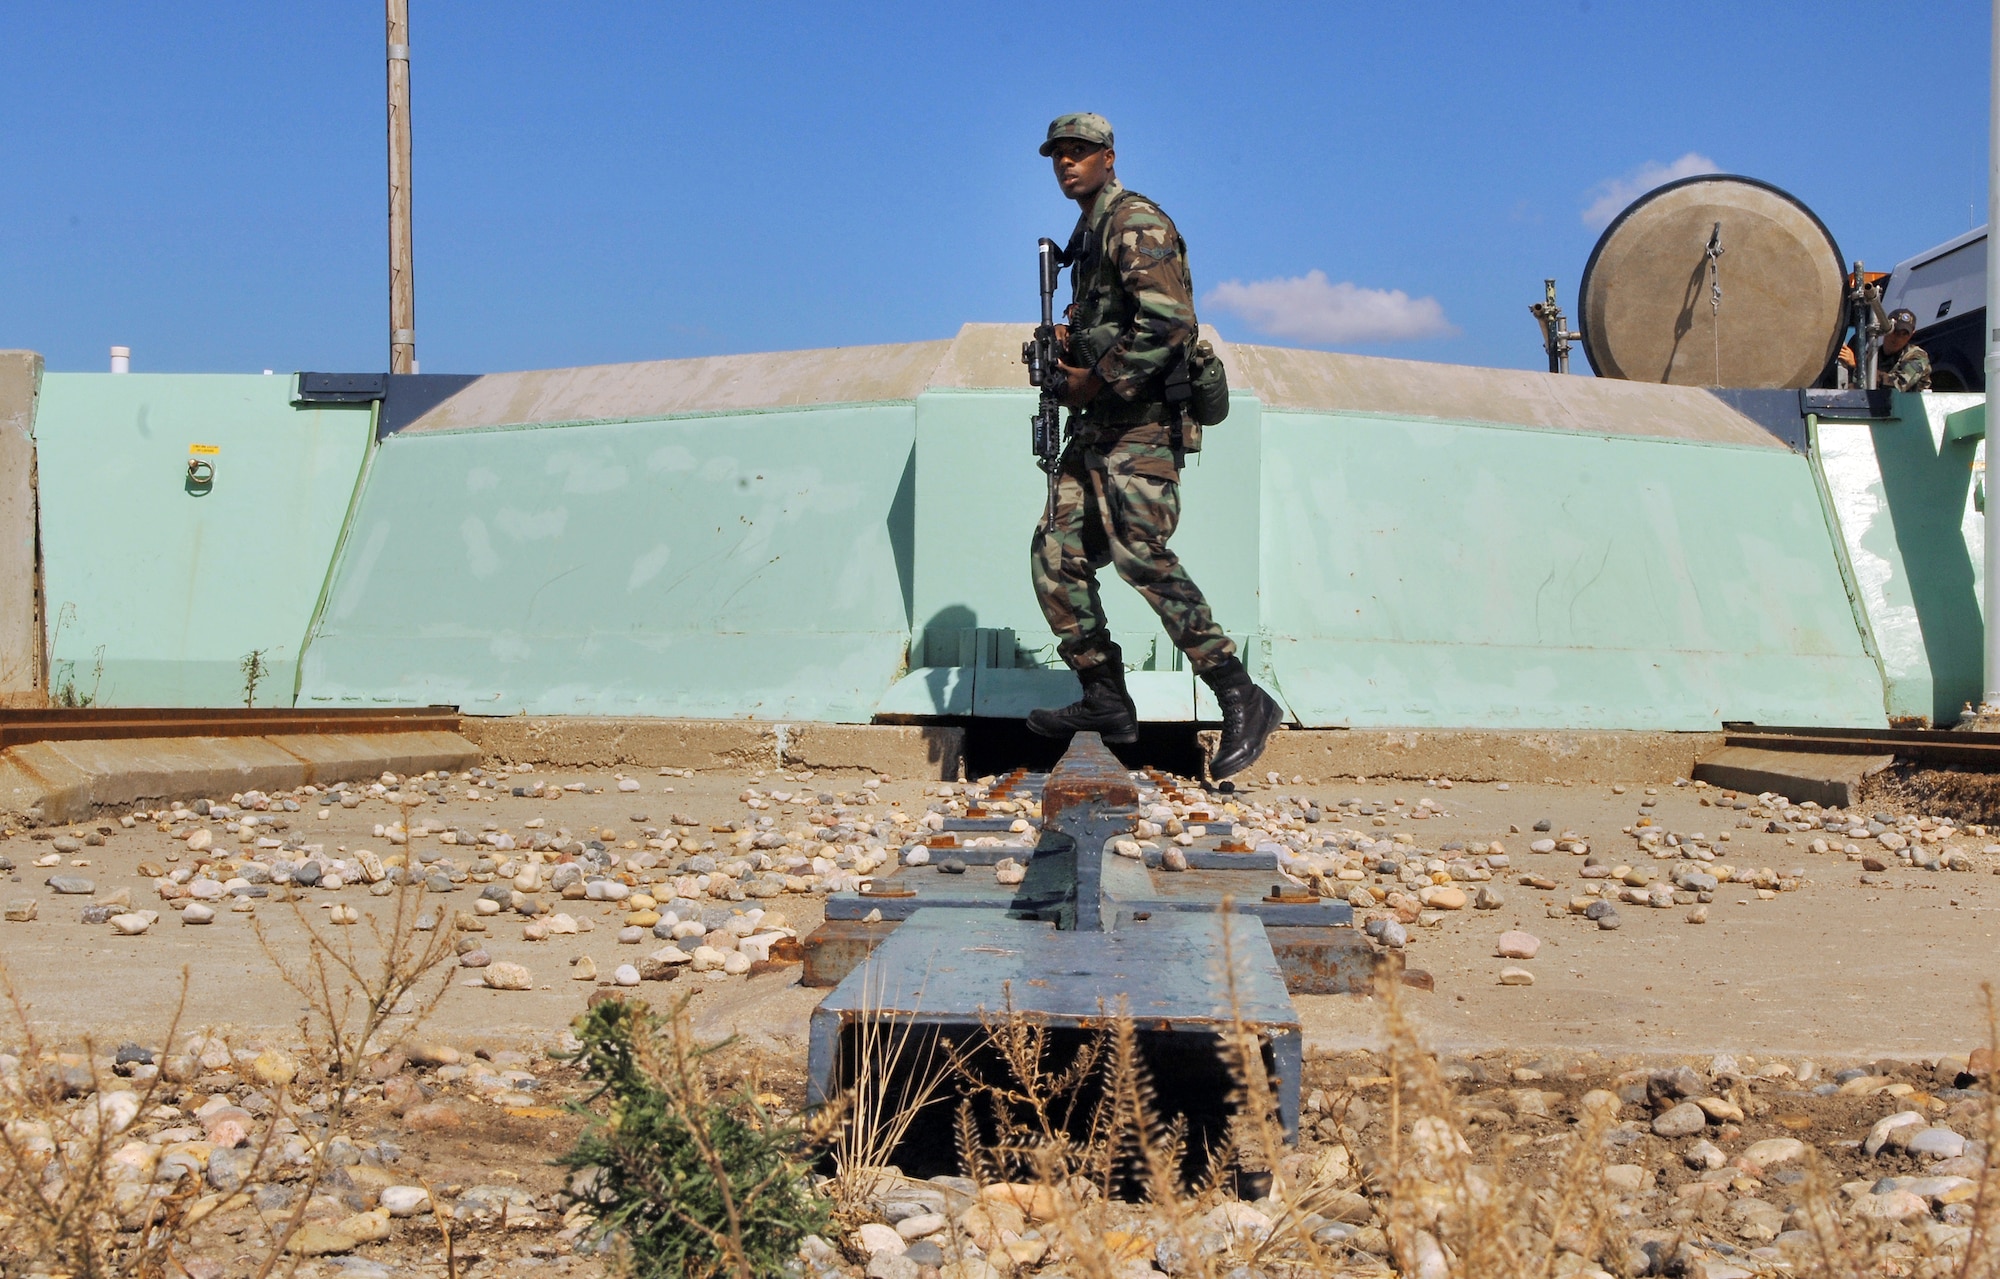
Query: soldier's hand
1080, 386
1846, 357
1062, 336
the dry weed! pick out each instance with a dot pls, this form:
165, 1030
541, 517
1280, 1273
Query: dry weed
77, 1200
898, 1072
60, 1200
351, 996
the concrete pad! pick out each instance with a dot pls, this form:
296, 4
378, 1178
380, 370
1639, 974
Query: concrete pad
704, 384
1833, 781
34, 780
988, 356
334, 757
67, 781
1480, 756
125, 771
931, 751
1331, 382
927, 751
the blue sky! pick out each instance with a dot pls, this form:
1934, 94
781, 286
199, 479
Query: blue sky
602, 182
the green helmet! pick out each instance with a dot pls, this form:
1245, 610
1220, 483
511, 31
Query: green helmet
1087, 125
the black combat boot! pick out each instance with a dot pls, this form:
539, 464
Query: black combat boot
1249, 717
1105, 708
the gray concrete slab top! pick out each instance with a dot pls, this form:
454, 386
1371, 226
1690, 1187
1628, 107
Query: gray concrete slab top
68, 781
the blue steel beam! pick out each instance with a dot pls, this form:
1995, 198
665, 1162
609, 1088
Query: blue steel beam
1088, 935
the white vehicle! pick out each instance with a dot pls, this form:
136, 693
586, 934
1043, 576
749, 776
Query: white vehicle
1945, 288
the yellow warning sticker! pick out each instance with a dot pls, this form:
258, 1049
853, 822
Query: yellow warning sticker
207, 450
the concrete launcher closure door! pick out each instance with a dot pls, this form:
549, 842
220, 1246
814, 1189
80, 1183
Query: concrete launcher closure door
1718, 281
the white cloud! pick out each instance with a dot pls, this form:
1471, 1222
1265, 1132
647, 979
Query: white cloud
1609, 197
1307, 308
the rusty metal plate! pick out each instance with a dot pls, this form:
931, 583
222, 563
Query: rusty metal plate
1337, 961
1327, 961
1088, 773
837, 947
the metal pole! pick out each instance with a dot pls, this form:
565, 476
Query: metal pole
1992, 697
1869, 332
402, 284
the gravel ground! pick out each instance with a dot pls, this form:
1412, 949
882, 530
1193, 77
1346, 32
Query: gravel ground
1826, 980
1711, 1169
1820, 954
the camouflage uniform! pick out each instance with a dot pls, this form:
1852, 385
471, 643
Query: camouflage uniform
1118, 499
1910, 372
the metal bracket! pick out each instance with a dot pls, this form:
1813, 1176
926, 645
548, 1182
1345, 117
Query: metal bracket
339, 388
1966, 424
1850, 403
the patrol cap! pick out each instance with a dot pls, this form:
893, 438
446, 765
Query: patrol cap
1086, 125
1904, 319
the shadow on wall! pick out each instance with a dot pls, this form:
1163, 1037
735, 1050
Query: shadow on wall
1926, 491
936, 646
903, 538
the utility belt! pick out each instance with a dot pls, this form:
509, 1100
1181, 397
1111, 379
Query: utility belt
1109, 414
1191, 394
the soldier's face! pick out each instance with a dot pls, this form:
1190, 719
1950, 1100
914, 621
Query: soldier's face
1895, 340
1082, 168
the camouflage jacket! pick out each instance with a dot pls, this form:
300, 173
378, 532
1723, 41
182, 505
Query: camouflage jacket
1131, 313
1910, 369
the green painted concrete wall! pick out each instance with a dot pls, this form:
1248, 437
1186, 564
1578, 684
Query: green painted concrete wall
170, 588
1438, 573
1903, 496
749, 564
1386, 571
840, 561
978, 498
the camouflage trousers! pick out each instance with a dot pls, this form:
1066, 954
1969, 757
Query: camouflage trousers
1123, 520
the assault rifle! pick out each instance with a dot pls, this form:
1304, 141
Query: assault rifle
1043, 354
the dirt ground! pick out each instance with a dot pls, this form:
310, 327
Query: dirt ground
1851, 965
84, 978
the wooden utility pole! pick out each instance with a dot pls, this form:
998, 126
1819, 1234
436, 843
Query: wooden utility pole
402, 283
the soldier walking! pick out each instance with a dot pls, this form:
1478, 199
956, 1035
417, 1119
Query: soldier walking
1131, 320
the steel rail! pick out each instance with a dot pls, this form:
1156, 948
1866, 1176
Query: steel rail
1950, 746
63, 724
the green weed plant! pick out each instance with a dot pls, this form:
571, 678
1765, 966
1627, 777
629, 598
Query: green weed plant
688, 1181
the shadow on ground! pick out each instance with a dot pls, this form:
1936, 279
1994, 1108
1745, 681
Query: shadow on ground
1001, 745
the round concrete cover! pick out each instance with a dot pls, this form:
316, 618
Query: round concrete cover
1645, 308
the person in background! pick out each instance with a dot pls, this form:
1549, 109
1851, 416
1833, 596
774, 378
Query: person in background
1903, 366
